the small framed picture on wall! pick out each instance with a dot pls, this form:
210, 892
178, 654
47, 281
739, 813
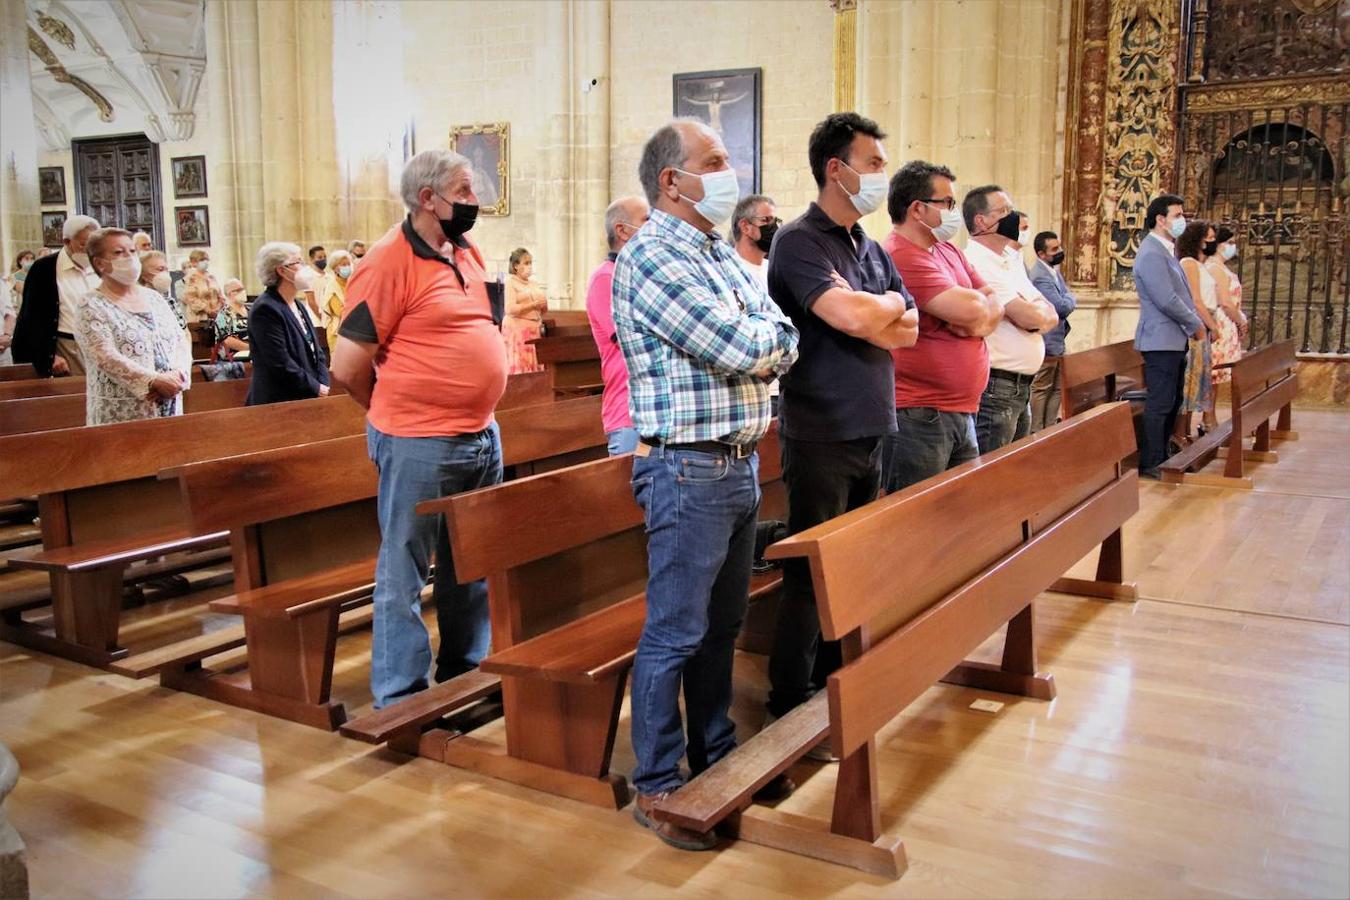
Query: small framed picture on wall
51, 185
192, 224
189, 177
727, 101
52, 224
488, 149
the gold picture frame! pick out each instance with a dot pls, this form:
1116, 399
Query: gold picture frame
488, 148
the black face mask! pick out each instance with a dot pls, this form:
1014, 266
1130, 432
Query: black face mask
461, 220
321, 264
1057, 258
766, 233
1211, 248
1009, 225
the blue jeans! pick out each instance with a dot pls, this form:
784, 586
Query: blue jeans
622, 440
413, 470
926, 442
1005, 412
699, 509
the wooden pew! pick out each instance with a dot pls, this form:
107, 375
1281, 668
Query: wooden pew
59, 387
572, 360
1089, 378
68, 411
566, 600
526, 389
20, 372
996, 533
290, 512
1264, 384
102, 508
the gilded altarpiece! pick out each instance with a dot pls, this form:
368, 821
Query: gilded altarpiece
1122, 132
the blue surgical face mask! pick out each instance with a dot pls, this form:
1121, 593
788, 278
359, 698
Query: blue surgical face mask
721, 191
1178, 226
1229, 251
872, 189
344, 271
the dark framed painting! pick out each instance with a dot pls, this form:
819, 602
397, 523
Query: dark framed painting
729, 102
189, 176
488, 148
52, 224
192, 225
51, 185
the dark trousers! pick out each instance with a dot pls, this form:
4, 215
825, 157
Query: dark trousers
1163, 371
824, 479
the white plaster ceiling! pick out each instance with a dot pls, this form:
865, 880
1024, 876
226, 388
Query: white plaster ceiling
104, 67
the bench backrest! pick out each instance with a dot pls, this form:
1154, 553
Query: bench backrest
41, 387
915, 581
1088, 377
1258, 368
526, 389
20, 372
68, 411
559, 545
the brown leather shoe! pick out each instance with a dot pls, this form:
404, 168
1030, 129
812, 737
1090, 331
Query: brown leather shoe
674, 835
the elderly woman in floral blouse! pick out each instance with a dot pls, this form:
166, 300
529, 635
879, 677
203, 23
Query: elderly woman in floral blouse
137, 360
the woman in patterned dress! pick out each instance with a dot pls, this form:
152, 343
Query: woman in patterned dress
525, 305
232, 324
1231, 319
138, 360
1197, 393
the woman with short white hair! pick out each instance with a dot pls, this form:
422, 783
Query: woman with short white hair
137, 360
287, 363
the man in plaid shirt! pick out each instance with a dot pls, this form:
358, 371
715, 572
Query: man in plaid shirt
702, 340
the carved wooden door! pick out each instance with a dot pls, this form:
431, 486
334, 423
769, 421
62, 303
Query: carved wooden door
117, 182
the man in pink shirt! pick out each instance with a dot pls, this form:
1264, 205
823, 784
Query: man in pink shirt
622, 220
938, 381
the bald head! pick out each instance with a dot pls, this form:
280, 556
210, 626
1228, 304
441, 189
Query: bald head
622, 220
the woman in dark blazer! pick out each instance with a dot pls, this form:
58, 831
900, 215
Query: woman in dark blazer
287, 362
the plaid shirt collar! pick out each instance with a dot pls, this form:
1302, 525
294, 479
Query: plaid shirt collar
678, 231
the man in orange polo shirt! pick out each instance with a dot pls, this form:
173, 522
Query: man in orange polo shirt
420, 347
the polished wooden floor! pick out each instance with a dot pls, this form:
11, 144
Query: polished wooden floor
1198, 747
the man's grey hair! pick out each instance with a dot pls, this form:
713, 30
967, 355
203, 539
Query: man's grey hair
663, 150
429, 169
270, 256
745, 209
615, 214
75, 224
976, 203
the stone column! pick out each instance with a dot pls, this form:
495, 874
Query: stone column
20, 222
845, 54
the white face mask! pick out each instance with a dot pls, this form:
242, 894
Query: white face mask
161, 282
1178, 226
951, 224
871, 190
1024, 236
721, 191
1229, 251
125, 270
80, 259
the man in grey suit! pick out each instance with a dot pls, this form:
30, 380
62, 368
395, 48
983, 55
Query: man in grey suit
1166, 320
1046, 278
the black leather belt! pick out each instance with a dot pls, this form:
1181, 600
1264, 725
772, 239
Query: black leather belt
735, 451
1005, 375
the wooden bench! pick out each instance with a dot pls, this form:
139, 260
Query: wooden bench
102, 508
60, 387
20, 372
289, 513
1264, 384
572, 360
68, 410
1090, 378
566, 602
989, 537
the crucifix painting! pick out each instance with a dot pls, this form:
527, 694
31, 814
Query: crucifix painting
729, 103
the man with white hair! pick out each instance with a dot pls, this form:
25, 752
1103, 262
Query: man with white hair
45, 332
418, 315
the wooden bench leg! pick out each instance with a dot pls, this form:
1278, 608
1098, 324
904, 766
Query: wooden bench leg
1017, 673
86, 612
289, 675
1261, 443
1109, 583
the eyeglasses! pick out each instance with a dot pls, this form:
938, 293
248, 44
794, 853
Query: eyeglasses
761, 221
944, 202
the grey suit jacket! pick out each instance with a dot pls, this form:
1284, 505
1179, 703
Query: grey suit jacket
1166, 311
1052, 288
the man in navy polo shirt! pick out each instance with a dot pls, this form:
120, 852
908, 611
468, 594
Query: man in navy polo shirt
843, 293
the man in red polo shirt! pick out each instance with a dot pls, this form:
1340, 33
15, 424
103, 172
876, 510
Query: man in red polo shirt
938, 381
420, 347
623, 218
